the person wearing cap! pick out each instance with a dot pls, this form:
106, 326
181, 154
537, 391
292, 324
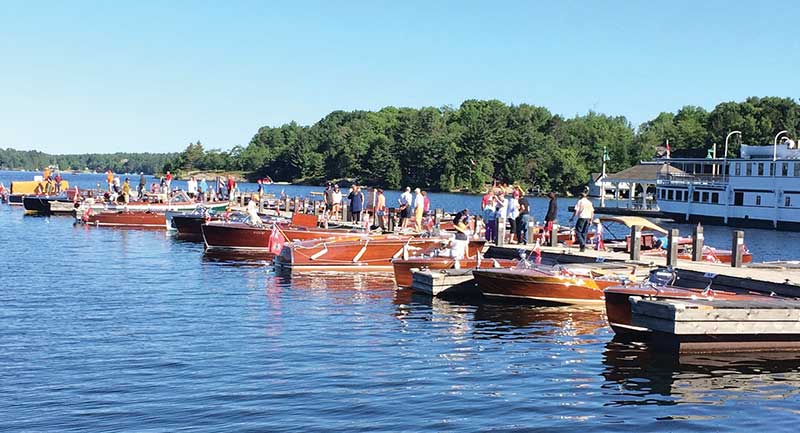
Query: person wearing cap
584, 212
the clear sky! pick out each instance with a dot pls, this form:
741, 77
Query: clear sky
79, 76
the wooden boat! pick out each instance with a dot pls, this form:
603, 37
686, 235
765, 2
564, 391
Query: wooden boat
49, 204
403, 274
361, 254
238, 235
561, 284
179, 202
150, 220
650, 245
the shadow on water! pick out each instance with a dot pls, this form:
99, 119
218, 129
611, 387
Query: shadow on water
233, 258
642, 376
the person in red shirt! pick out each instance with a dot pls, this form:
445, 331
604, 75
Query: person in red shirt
168, 180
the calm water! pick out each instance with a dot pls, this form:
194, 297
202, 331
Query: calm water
127, 330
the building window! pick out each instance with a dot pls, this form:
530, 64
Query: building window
669, 195
758, 200
714, 197
749, 169
705, 197
696, 196
797, 169
787, 201
738, 169
772, 169
760, 168
784, 169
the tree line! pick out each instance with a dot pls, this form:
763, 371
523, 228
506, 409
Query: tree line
482, 141
11, 159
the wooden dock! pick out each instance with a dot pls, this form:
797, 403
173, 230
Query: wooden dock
446, 282
707, 325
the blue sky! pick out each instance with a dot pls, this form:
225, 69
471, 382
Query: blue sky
153, 76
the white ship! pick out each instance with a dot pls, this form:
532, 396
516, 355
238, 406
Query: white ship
759, 189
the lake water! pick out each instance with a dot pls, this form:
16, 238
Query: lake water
129, 330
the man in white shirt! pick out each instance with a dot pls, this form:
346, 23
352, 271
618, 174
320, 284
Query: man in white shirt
405, 207
584, 211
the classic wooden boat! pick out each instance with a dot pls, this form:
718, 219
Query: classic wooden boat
561, 284
362, 254
403, 274
237, 235
150, 220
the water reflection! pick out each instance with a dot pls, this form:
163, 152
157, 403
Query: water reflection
540, 320
637, 375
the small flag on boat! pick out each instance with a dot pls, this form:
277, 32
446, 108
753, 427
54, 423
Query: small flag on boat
537, 250
276, 240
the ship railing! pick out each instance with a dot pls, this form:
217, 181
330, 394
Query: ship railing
685, 179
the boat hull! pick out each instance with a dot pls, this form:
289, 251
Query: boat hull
221, 235
542, 286
148, 220
362, 255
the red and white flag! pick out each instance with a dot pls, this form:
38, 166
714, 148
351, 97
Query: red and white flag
276, 240
668, 152
537, 250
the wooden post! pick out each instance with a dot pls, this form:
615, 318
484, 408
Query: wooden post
672, 248
437, 217
697, 244
737, 245
261, 203
286, 204
391, 219
531, 232
296, 203
501, 232
554, 236
636, 242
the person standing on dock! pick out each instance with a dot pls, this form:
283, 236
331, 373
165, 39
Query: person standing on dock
552, 214
337, 202
58, 180
356, 203
380, 209
168, 179
327, 198
523, 219
202, 189
419, 209
110, 179
405, 207
584, 211
142, 184
126, 190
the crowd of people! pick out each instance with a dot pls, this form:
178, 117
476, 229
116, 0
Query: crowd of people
414, 211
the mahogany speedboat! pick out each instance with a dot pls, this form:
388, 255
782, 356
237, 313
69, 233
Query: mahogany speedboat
361, 254
150, 220
560, 284
237, 235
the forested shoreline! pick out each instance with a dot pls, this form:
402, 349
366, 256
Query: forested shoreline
464, 148
120, 162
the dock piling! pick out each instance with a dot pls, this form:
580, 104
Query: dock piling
672, 248
636, 242
553, 236
697, 244
501, 232
737, 247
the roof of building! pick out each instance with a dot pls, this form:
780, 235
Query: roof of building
644, 173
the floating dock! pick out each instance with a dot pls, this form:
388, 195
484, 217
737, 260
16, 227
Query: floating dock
705, 326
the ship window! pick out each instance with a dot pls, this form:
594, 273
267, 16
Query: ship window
758, 200
772, 169
738, 169
787, 201
749, 169
797, 169
670, 195
714, 197
696, 196
705, 197
784, 169
760, 168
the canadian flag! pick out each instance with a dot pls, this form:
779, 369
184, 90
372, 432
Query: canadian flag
537, 250
276, 240
668, 152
